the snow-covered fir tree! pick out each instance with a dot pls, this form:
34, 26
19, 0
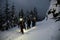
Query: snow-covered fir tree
35, 13
13, 16
7, 10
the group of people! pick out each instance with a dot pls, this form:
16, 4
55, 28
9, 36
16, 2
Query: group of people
28, 21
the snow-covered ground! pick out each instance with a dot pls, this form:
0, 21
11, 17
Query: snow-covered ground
44, 30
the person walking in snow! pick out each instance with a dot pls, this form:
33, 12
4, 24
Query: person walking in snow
33, 21
28, 22
21, 24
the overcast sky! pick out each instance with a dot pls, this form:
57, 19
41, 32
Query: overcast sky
41, 5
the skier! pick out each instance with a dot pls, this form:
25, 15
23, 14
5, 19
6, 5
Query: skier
21, 24
33, 21
28, 22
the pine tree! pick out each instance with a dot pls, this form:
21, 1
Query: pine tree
7, 11
19, 14
0, 19
27, 13
13, 10
31, 13
13, 16
22, 13
7, 16
35, 13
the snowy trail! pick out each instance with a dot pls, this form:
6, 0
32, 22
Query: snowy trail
48, 32
45, 30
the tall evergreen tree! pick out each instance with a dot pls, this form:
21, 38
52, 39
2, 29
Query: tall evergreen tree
7, 10
19, 14
6, 17
31, 13
35, 13
27, 13
0, 19
22, 13
13, 10
13, 16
